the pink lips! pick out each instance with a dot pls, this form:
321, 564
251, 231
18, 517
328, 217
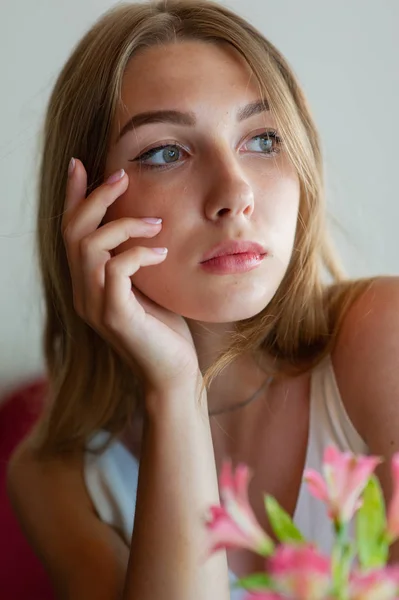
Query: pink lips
233, 247
233, 257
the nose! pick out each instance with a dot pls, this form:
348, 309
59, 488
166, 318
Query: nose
229, 195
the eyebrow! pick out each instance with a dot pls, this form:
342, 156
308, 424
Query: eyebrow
186, 118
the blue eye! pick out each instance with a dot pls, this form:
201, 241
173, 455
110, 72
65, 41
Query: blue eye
162, 156
265, 143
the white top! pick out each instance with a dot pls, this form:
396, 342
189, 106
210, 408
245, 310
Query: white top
112, 477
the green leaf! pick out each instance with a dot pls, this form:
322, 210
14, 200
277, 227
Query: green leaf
372, 546
281, 522
255, 581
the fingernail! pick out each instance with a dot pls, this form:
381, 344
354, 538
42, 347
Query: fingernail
116, 176
152, 220
160, 250
71, 166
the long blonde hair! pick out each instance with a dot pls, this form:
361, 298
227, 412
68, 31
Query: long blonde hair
90, 387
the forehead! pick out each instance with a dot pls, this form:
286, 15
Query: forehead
186, 75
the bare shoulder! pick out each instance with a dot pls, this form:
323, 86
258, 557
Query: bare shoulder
83, 556
366, 363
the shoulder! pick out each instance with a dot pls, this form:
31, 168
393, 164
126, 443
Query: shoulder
366, 363
50, 496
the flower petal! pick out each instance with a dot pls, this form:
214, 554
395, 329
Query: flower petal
377, 584
301, 572
243, 476
234, 524
356, 480
317, 485
345, 477
226, 480
224, 533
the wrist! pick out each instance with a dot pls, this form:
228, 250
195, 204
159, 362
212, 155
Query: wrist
178, 401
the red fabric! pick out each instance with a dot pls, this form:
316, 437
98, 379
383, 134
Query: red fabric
22, 576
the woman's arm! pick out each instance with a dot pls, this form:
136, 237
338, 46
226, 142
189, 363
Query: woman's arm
83, 557
177, 484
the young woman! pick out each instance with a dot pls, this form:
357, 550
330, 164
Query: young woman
187, 316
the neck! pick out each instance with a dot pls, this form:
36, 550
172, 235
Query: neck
245, 402
237, 385
239, 381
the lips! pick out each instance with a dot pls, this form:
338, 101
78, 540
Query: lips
234, 247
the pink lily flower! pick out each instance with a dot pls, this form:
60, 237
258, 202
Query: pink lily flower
300, 572
393, 509
345, 477
378, 584
234, 525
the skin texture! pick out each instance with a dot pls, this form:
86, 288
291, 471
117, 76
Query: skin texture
221, 187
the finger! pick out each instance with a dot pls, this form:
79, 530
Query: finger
119, 300
96, 249
99, 244
75, 190
88, 215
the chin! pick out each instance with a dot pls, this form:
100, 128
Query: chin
227, 303
233, 317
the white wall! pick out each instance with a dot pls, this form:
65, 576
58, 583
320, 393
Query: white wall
345, 53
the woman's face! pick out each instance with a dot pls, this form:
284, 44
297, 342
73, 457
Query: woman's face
220, 178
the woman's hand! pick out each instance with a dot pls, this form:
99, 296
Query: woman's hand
146, 335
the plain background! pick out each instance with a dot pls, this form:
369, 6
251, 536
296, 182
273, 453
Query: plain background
346, 56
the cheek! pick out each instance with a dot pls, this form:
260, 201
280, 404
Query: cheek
144, 199
133, 203
147, 198
280, 204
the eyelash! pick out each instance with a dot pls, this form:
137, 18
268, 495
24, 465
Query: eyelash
271, 134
